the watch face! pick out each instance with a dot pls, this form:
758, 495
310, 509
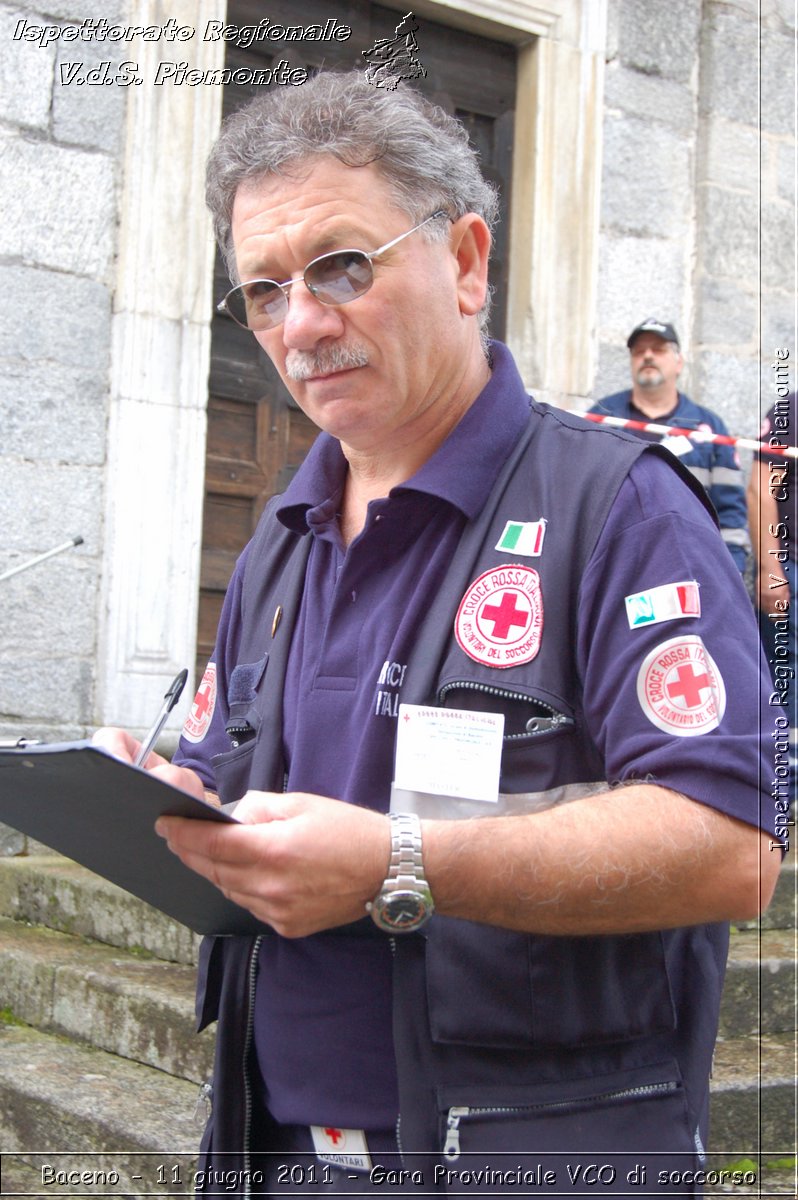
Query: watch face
401, 911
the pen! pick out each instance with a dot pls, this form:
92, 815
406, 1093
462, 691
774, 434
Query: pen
169, 701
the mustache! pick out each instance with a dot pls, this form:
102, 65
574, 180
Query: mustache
304, 364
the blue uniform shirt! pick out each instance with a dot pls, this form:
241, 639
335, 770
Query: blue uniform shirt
323, 1004
715, 466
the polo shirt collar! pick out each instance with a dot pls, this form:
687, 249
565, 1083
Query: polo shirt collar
463, 469
662, 419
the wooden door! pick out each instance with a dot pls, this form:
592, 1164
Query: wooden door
257, 437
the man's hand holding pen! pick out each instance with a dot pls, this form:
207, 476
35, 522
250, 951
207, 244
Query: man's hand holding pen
124, 746
299, 862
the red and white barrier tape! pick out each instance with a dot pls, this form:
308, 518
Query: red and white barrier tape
697, 435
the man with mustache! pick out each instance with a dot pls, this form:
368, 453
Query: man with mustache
462, 969
656, 363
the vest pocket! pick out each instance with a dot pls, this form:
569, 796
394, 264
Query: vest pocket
519, 990
527, 718
243, 721
232, 771
566, 1136
232, 768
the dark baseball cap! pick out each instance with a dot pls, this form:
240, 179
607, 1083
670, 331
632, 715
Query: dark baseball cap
651, 325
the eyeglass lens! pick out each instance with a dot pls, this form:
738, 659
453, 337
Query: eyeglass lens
334, 278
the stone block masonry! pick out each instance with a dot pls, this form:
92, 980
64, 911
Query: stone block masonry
59, 197
698, 193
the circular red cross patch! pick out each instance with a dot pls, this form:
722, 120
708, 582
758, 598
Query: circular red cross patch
680, 688
500, 618
199, 719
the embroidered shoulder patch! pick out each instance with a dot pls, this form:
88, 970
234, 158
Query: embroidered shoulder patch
680, 689
666, 603
199, 719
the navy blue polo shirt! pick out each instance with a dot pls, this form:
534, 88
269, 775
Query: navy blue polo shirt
323, 1004
322, 1030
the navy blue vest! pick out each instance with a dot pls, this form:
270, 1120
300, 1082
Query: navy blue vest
486, 1020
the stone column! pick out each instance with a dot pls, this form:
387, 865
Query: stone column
160, 357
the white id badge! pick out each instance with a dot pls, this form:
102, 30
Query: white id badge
447, 752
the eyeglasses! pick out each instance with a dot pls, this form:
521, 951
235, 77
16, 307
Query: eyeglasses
334, 279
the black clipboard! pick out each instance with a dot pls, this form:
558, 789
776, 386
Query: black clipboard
101, 812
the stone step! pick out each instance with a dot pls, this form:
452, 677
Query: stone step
53, 891
61, 895
120, 1176
55, 1094
57, 893
67, 1106
759, 992
138, 1007
752, 1106
98, 992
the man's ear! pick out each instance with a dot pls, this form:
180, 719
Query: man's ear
470, 244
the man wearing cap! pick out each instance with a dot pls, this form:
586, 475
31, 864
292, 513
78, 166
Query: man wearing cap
656, 363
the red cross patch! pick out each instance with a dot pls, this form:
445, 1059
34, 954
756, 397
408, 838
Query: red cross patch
500, 619
199, 719
680, 688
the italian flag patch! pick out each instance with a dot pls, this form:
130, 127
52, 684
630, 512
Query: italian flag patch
523, 537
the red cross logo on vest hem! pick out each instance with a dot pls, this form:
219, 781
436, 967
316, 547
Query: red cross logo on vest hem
335, 1135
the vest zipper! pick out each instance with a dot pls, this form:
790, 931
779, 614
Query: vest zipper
236, 730
204, 1102
392, 941
540, 724
246, 1148
451, 1146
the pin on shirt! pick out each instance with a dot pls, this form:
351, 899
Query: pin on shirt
341, 1147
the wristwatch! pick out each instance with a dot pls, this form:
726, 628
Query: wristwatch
404, 902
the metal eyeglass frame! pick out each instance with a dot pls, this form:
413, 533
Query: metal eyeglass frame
368, 256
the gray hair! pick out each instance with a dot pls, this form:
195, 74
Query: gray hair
423, 154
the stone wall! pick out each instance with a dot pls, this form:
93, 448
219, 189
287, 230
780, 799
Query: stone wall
698, 193
59, 149
696, 225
